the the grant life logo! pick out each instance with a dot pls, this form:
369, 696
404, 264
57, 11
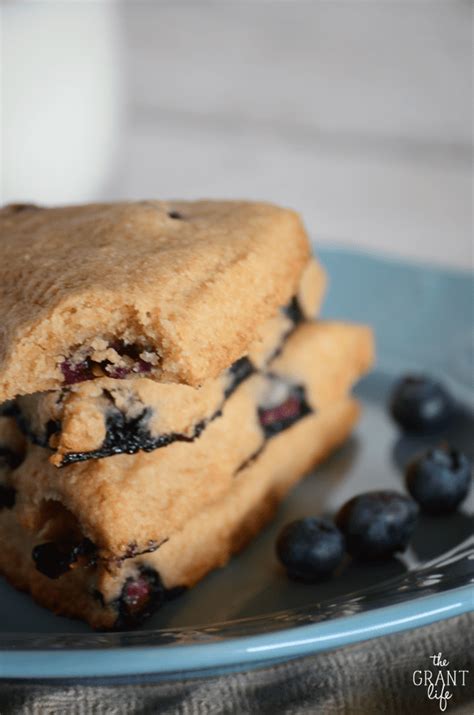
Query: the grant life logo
440, 680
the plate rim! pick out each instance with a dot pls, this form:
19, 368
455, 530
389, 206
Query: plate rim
250, 651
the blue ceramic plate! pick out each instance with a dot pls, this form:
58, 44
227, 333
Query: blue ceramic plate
248, 613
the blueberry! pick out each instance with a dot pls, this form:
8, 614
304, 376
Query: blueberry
76, 372
377, 524
142, 366
54, 560
420, 404
141, 595
119, 373
133, 353
289, 410
51, 560
310, 548
280, 417
439, 479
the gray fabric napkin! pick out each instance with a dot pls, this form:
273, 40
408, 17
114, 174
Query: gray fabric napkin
372, 677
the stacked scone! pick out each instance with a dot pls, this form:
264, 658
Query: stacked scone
164, 383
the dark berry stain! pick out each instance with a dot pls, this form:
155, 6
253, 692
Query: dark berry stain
239, 371
119, 373
133, 353
127, 436
279, 418
293, 311
74, 372
142, 366
54, 560
287, 410
77, 372
141, 595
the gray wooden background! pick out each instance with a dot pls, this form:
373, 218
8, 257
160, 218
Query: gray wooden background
357, 113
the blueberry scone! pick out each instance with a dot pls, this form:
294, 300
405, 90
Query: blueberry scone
164, 381
175, 291
122, 593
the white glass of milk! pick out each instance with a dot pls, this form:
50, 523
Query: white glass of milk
60, 95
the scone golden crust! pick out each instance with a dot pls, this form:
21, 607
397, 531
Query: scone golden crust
103, 417
176, 290
132, 503
121, 595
